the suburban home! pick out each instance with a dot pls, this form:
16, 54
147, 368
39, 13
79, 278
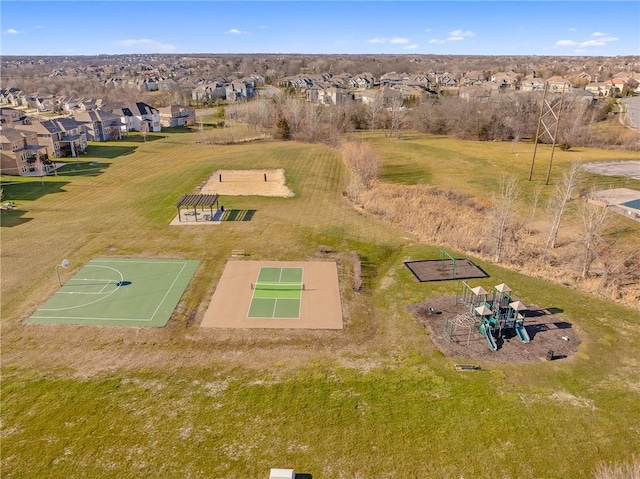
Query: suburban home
334, 96
100, 125
531, 83
584, 95
60, 137
148, 84
11, 116
474, 78
393, 78
136, 115
557, 83
209, 92
364, 81
505, 79
447, 80
600, 89
19, 153
6, 94
172, 116
385, 95
239, 90
616, 85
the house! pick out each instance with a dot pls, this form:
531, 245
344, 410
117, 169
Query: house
19, 153
139, 116
11, 116
600, 89
100, 125
393, 79
474, 78
616, 85
557, 83
334, 96
61, 137
505, 80
6, 94
531, 83
384, 95
447, 80
239, 90
209, 92
364, 81
172, 116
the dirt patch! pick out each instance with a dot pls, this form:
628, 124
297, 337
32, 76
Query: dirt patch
247, 183
437, 270
545, 328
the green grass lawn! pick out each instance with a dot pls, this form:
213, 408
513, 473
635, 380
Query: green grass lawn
374, 400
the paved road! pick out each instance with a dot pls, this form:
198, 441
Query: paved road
633, 110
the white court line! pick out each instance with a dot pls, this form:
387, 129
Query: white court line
91, 302
184, 265
93, 318
177, 261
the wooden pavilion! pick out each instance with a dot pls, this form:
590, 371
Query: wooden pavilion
197, 201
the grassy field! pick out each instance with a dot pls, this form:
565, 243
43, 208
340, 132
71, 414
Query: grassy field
374, 400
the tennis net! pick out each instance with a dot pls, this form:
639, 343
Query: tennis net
278, 286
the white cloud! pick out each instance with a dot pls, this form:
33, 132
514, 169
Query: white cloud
592, 43
234, 31
608, 39
455, 39
566, 43
399, 40
461, 33
573, 29
147, 45
411, 47
378, 40
436, 41
598, 34
13, 31
427, 30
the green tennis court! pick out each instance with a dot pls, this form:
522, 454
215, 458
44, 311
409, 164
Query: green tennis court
277, 293
119, 292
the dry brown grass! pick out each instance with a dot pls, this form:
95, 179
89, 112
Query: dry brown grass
459, 221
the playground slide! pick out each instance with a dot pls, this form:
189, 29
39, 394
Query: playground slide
490, 340
522, 334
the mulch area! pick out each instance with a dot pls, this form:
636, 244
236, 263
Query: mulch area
546, 328
436, 270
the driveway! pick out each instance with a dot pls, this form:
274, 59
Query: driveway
632, 105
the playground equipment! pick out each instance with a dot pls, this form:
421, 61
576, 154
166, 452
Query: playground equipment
451, 326
494, 315
443, 258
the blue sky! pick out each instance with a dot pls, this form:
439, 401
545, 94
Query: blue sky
591, 27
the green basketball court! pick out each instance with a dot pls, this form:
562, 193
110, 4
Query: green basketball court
119, 292
277, 293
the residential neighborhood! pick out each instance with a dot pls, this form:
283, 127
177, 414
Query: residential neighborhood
140, 90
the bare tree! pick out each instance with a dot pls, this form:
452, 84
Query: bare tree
397, 115
504, 211
363, 162
559, 201
144, 129
593, 218
40, 169
375, 106
535, 199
